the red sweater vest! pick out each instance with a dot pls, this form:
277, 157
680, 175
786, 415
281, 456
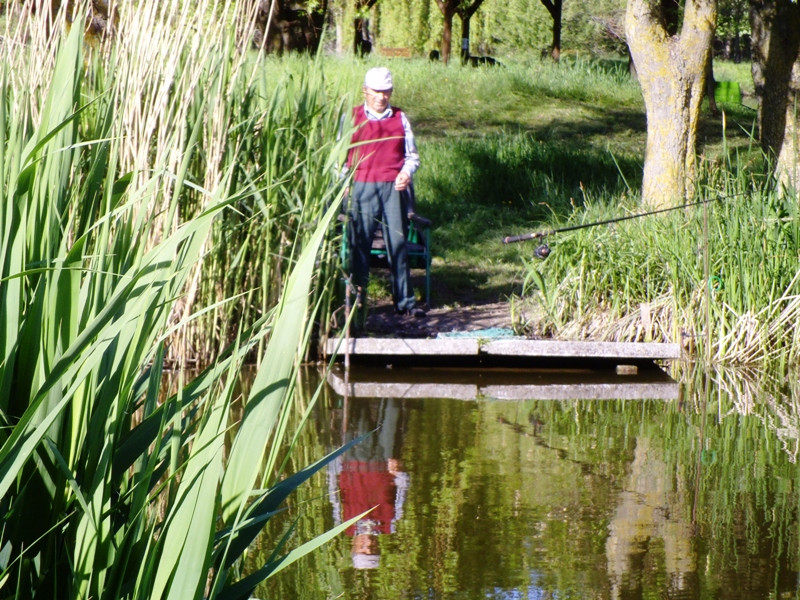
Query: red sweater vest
382, 159
364, 485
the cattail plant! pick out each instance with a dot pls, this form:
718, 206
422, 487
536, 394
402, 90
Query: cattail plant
127, 184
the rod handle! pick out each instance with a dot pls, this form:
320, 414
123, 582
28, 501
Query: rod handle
510, 239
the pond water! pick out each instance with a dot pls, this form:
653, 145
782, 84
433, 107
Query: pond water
538, 486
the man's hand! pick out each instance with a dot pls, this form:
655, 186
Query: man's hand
401, 181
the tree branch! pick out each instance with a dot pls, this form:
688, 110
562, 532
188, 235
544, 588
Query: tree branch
473, 8
551, 8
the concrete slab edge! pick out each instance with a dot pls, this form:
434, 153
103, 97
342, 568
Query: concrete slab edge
581, 349
516, 347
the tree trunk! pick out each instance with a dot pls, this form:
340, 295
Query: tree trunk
465, 14
448, 11
288, 29
671, 70
556, 50
338, 20
362, 40
632, 65
776, 73
447, 38
465, 39
711, 86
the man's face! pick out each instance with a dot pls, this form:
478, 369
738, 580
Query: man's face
377, 101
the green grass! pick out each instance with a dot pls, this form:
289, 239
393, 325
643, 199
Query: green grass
507, 147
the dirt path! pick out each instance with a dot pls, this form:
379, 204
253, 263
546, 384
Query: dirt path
382, 320
464, 303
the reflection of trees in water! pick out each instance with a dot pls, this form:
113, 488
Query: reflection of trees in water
651, 513
504, 501
731, 445
575, 497
703, 482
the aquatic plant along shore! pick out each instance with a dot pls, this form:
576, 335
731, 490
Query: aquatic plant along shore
121, 166
720, 277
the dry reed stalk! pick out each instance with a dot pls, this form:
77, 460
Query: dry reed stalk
650, 322
31, 46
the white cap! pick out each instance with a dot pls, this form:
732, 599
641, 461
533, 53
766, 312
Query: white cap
378, 79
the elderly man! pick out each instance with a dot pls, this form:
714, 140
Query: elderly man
384, 158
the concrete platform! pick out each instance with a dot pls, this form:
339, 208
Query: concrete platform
519, 349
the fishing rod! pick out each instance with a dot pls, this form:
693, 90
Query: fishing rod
543, 251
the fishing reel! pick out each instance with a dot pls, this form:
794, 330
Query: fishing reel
542, 251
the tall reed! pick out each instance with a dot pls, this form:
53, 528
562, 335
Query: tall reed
120, 173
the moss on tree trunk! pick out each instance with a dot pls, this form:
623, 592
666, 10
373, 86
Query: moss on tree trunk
671, 70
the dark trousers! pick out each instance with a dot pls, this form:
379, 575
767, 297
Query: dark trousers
376, 204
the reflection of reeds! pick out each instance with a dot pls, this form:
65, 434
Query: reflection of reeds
123, 172
773, 401
745, 457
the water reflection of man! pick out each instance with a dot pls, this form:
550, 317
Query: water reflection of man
368, 476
